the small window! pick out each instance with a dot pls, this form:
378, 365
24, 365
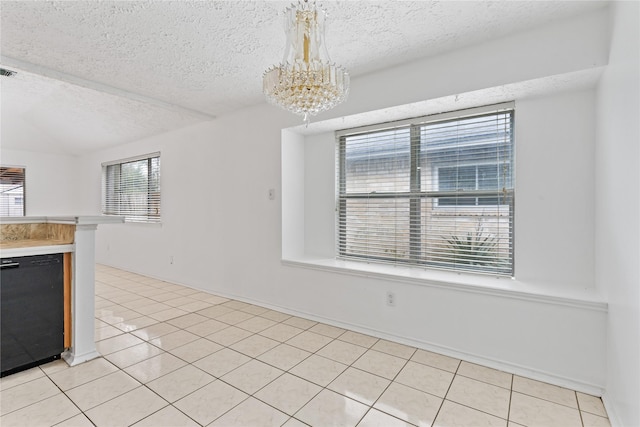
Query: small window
131, 187
12, 192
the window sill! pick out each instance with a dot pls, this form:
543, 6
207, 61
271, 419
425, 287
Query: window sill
465, 282
136, 222
144, 223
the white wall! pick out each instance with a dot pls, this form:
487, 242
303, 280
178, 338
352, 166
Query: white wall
554, 252
554, 226
320, 200
225, 234
554, 219
217, 218
557, 48
51, 182
617, 213
292, 194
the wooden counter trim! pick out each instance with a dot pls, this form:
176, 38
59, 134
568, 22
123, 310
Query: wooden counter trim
66, 261
40, 234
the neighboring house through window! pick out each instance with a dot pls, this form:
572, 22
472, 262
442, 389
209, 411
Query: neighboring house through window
469, 178
131, 187
12, 183
436, 191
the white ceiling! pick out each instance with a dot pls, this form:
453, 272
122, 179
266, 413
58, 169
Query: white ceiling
97, 73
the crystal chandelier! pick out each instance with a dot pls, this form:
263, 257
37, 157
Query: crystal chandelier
306, 82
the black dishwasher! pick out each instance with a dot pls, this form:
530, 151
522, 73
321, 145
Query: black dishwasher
32, 311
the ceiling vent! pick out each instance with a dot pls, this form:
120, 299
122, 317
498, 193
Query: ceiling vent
7, 73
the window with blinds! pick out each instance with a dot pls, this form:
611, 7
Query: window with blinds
131, 187
12, 200
434, 192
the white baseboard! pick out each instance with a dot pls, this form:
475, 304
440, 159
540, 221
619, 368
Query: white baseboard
614, 420
501, 365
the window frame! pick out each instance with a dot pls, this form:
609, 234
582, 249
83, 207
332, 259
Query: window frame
7, 171
112, 206
416, 195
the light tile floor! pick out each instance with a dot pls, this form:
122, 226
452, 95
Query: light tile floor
175, 356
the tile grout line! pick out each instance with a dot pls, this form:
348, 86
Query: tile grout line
579, 410
510, 399
322, 388
444, 399
313, 353
391, 381
316, 353
252, 358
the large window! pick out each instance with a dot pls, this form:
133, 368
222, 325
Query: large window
131, 188
435, 192
12, 181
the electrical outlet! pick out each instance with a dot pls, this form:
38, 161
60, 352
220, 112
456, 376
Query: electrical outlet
391, 299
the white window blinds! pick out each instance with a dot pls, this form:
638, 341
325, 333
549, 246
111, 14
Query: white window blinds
131, 187
436, 192
12, 200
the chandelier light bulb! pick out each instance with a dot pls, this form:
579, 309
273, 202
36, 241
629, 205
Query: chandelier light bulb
306, 82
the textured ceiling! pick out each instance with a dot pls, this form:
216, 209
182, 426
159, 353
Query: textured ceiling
93, 74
